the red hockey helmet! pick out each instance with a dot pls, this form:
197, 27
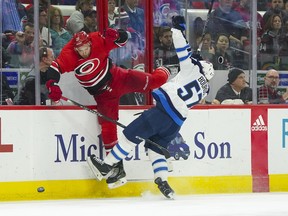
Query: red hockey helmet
81, 38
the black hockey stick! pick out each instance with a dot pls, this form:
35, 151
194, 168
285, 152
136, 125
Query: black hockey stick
164, 150
205, 26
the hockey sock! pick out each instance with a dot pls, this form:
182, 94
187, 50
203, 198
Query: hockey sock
159, 165
119, 151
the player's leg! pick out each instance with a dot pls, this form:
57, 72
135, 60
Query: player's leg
167, 132
160, 169
136, 81
118, 153
109, 107
138, 127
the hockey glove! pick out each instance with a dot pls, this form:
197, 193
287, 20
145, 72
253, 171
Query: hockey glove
178, 22
111, 34
55, 92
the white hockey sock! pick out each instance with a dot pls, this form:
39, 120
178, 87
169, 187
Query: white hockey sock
159, 165
119, 151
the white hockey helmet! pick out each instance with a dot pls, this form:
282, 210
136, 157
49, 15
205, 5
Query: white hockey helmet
208, 69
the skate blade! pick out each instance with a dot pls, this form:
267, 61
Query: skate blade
95, 171
117, 184
170, 196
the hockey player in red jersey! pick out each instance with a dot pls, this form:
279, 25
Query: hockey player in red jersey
87, 56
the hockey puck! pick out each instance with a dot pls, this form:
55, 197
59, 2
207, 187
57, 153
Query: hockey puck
40, 189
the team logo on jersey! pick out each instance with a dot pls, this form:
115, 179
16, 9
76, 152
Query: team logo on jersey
87, 67
259, 124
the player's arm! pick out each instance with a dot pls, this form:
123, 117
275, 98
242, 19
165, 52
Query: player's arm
53, 77
118, 37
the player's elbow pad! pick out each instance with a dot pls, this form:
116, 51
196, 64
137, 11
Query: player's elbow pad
52, 74
159, 77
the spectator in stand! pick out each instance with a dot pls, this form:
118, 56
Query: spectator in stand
136, 15
90, 21
225, 19
75, 22
286, 6
207, 49
22, 12
277, 7
235, 91
269, 92
111, 13
13, 15
283, 40
60, 36
244, 9
270, 38
5, 59
165, 54
22, 49
123, 55
7, 37
222, 59
27, 93
5, 91
45, 36
42, 4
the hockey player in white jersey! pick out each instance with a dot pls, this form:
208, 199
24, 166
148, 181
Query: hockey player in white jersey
162, 122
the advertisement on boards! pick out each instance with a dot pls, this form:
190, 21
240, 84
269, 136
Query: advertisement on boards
278, 141
54, 144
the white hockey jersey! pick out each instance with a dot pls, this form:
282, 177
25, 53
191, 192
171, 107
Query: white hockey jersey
187, 88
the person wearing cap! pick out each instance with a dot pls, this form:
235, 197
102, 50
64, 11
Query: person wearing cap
269, 92
235, 91
87, 55
90, 21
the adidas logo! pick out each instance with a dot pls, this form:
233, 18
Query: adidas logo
259, 124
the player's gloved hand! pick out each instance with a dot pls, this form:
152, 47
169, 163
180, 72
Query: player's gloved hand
55, 92
111, 34
178, 22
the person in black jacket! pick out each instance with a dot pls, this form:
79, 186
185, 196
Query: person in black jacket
27, 94
235, 91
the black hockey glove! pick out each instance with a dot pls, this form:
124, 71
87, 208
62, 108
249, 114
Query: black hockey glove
178, 22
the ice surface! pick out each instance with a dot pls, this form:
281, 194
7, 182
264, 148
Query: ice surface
253, 204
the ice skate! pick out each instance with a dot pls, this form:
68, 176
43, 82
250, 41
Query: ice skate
164, 187
117, 178
99, 168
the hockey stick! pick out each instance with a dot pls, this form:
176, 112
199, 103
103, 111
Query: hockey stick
205, 26
164, 150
